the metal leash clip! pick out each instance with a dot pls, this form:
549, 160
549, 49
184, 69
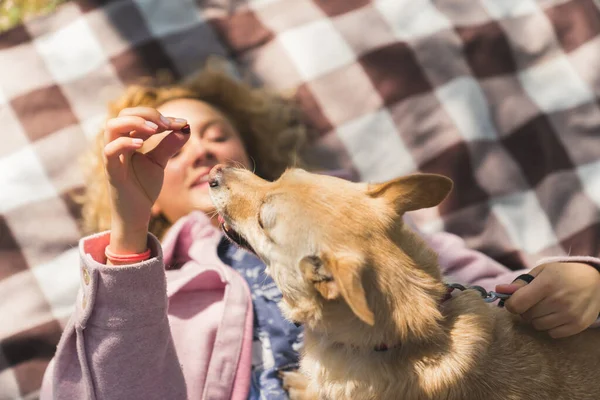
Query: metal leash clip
488, 297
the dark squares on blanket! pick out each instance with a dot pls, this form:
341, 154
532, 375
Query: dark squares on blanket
487, 50
91, 5
531, 38
312, 110
70, 198
444, 45
578, 128
509, 106
455, 162
425, 126
143, 60
488, 233
564, 201
43, 111
12, 260
15, 37
496, 171
334, 8
126, 18
575, 22
242, 31
395, 72
514, 260
28, 353
586, 241
536, 147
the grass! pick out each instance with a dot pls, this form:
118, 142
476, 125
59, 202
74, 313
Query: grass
14, 12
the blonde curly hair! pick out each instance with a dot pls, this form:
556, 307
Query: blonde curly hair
269, 125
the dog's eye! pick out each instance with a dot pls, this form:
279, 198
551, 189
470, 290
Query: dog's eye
266, 217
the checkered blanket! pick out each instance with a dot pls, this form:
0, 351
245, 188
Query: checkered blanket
500, 95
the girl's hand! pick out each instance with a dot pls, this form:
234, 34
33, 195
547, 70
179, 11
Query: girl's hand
135, 178
563, 299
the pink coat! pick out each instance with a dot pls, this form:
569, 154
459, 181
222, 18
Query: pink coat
137, 335
141, 331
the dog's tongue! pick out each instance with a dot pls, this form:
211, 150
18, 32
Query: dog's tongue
221, 220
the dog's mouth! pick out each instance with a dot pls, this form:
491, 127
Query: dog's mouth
234, 236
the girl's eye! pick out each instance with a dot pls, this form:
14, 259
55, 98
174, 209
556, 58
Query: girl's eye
216, 134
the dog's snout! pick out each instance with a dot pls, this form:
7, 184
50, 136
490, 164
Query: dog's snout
215, 176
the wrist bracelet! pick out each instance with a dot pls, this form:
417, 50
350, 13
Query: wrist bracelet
127, 258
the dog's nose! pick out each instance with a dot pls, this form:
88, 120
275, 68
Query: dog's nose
215, 176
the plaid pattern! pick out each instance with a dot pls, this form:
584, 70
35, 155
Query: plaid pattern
501, 95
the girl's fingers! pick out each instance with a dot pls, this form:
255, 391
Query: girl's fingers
170, 145
508, 288
123, 126
548, 322
545, 307
151, 114
564, 331
177, 123
118, 147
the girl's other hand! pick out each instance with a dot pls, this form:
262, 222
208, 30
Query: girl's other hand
135, 177
563, 299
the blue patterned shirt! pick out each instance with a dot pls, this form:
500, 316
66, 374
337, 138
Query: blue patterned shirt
276, 341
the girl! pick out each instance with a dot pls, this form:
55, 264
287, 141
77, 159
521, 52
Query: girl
191, 316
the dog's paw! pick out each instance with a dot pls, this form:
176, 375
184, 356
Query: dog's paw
296, 385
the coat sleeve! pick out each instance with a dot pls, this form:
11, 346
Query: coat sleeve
461, 264
118, 343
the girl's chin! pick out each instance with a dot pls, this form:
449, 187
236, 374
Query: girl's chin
204, 204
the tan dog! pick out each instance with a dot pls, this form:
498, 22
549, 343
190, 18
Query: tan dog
360, 280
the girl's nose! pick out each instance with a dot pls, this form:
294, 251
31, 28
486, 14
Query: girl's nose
200, 153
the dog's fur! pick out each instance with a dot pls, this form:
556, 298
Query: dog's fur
356, 276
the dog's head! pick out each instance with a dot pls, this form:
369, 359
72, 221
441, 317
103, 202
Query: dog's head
332, 246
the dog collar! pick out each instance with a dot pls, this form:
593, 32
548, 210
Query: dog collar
381, 347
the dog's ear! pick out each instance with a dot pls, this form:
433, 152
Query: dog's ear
335, 277
413, 192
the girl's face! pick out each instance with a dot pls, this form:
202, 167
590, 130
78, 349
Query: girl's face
213, 140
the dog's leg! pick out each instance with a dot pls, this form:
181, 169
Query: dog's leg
296, 385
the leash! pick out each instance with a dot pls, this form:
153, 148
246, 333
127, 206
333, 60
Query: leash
488, 297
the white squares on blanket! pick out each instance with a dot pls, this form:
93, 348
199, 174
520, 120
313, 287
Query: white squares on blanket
412, 18
375, 147
84, 55
525, 221
590, 179
22, 171
554, 85
466, 104
12, 126
93, 125
8, 381
164, 17
59, 282
501, 9
316, 48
